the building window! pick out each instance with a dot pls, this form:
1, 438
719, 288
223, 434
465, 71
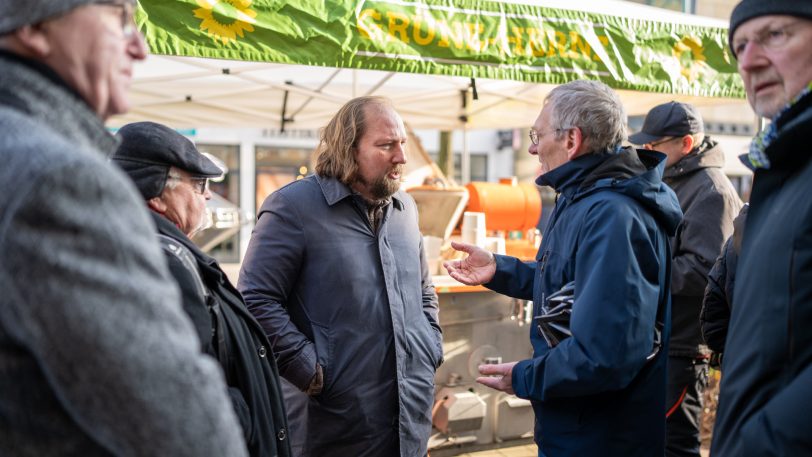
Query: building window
479, 166
277, 166
227, 251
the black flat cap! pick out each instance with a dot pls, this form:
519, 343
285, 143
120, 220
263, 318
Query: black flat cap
148, 150
669, 119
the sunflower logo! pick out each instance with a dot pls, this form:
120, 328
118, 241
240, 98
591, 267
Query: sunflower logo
688, 51
224, 20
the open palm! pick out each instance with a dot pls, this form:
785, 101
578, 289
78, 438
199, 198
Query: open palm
475, 269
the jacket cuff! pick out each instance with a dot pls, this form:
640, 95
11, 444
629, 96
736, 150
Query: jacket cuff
303, 369
502, 277
519, 380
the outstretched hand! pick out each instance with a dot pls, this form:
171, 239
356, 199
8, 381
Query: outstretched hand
497, 376
478, 267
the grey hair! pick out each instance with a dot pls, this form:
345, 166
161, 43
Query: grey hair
594, 108
172, 178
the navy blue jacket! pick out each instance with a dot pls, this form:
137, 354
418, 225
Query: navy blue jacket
766, 391
595, 393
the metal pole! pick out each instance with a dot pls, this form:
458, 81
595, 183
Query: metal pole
466, 156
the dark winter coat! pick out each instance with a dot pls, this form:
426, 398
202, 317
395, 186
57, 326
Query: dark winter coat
766, 391
715, 316
96, 355
595, 393
230, 334
709, 204
328, 289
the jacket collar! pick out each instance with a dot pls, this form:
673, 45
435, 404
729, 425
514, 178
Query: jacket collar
786, 152
168, 228
588, 170
566, 178
36, 90
334, 191
707, 155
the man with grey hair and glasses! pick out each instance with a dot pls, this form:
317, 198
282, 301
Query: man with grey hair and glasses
767, 387
96, 354
599, 284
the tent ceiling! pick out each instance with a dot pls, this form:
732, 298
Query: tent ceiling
197, 92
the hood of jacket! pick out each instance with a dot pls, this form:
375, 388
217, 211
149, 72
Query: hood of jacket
708, 155
635, 173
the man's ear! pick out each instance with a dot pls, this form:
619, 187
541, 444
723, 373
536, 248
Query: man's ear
575, 143
31, 41
687, 144
157, 204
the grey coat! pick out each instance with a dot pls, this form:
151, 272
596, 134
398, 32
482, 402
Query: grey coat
361, 304
96, 356
709, 204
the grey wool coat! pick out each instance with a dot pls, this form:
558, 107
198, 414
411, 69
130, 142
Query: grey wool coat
328, 289
96, 356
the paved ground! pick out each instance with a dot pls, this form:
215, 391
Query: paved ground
521, 451
529, 450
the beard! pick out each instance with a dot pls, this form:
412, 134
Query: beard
383, 186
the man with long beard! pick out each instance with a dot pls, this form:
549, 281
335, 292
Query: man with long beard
336, 274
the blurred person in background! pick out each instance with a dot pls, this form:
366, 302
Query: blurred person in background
694, 170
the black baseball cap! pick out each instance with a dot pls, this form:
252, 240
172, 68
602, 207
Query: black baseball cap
669, 119
148, 150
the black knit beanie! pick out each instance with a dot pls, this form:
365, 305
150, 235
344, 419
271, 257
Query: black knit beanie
749, 9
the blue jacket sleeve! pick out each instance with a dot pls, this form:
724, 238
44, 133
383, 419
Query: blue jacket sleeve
268, 276
617, 290
513, 277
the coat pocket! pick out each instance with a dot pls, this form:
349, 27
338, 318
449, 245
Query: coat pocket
323, 342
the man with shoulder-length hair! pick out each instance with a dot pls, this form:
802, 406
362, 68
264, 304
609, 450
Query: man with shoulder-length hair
767, 387
336, 274
96, 356
599, 284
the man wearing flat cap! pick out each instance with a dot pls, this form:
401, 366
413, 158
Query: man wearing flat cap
96, 355
766, 390
172, 176
709, 204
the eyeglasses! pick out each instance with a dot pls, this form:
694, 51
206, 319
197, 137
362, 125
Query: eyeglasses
128, 29
657, 143
536, 136
772, 37
200, 185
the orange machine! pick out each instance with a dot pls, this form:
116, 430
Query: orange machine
510, 208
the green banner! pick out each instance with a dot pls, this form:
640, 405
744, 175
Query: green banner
479, 39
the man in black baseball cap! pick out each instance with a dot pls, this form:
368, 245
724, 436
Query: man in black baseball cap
172, 176
709, 204
767, 387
